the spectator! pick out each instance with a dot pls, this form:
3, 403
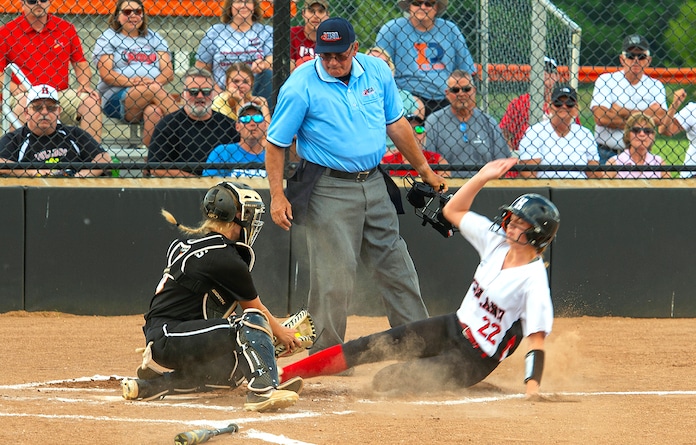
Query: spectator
509, 299
395, 156
189, 135
412, 105
134, 65
303, 38
684, 121
43, 139
239, 81
639, 137
461, 132
251, 147
239, 38
426, 49
338, 193
44, 46
559, 141
515, 121
618, 95
205, 344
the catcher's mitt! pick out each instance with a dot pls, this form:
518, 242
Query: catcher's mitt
306, 332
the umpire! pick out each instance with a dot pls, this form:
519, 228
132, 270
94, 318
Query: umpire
339, 107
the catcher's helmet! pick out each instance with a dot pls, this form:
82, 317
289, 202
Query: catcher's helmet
538, 211
227, 199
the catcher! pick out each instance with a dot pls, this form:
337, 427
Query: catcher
194, 340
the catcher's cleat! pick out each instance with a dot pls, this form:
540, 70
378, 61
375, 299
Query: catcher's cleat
295, 385
145, 390
271, 400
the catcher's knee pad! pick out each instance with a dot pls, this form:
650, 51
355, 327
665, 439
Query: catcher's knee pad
255, 351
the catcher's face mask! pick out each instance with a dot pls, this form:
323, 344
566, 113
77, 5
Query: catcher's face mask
228, 199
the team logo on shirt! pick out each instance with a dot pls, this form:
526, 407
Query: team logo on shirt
368, 91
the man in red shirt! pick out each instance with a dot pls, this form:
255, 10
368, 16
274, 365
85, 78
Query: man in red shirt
304, 38
44, 46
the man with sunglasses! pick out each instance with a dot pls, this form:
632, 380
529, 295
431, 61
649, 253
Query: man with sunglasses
425, 49
251, 147
559, 140
340, 106
619, 94
461, 132
44, 47
187, 136
44, 140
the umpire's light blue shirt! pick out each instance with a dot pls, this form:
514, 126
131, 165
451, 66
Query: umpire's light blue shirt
338, 126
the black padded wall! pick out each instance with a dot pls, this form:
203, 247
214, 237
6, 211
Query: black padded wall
12, 252
101, 251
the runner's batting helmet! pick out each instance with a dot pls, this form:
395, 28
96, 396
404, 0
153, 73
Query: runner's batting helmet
538, 211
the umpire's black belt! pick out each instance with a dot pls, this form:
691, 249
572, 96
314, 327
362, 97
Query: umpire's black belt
356, 176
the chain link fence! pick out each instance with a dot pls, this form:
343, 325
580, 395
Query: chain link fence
598, 89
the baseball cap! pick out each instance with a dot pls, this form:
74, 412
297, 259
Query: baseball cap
550, 65
334, 35
564, 91
635, 41
37, 92
249, 106
323, 3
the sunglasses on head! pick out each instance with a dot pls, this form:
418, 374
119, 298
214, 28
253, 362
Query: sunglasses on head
127, 12
569, 103
195, 91
257, 118
639, 56
456, 90
646, 130
418, 4
463, 127
51, 108
33, 2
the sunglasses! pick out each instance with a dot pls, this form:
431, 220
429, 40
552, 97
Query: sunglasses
340, 57
257, 118
463, 127
195, 91
632, 56
646, 130
456, 90
127, 12
51, 108
569, 103
33, 2
418, 4
419, 129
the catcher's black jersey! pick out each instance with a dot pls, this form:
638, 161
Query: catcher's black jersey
197, 266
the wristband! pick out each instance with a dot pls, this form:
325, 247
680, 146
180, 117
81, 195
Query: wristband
534, 365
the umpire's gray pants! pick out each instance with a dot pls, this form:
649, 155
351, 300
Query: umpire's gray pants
347, 220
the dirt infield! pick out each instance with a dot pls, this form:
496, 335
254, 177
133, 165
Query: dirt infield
611, 381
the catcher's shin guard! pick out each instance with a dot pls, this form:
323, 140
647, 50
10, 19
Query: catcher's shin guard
255, 351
